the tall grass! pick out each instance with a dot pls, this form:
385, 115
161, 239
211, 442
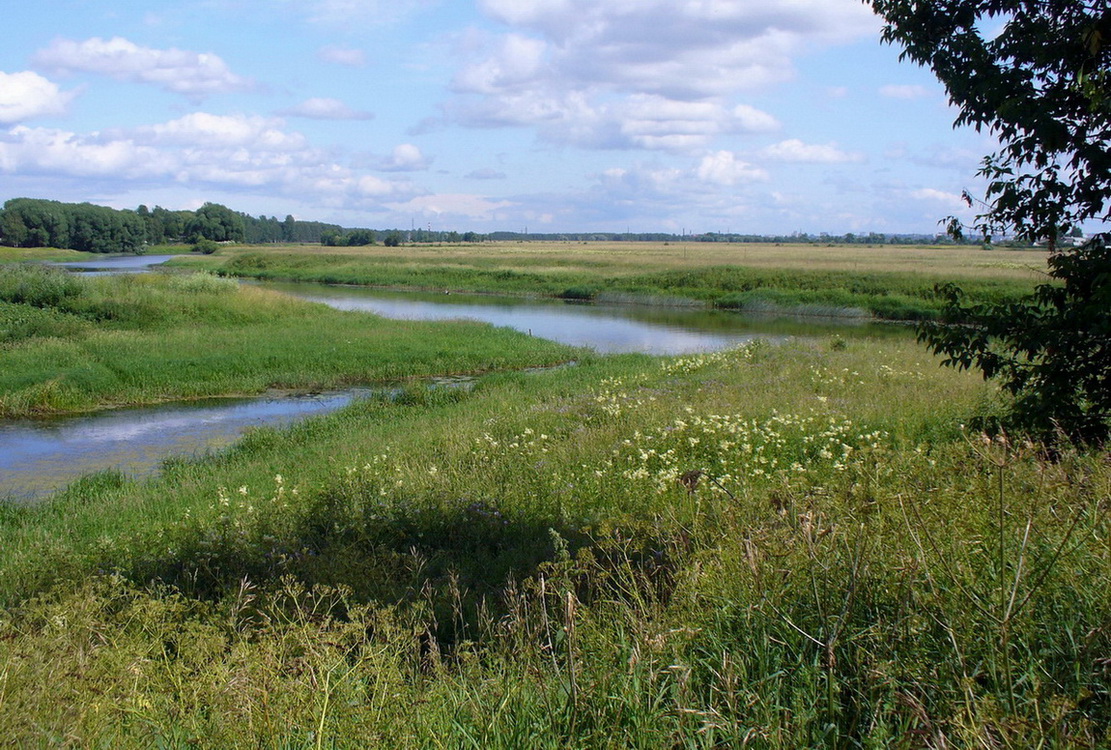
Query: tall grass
773, 546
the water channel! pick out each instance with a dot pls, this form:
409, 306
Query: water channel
41, 456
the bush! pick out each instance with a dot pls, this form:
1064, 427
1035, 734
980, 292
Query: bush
206, 246
37, 285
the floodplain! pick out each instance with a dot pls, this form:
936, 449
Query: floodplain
798, 544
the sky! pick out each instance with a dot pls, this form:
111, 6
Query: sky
684, 116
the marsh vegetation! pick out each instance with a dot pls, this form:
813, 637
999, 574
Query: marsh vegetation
893, 283
779, 546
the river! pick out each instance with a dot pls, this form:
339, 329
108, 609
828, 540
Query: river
40, 456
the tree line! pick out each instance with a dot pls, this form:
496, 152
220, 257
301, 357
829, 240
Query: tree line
33, 222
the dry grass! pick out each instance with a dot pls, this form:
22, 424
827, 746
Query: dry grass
619, 258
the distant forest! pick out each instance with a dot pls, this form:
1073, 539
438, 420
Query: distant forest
33, 222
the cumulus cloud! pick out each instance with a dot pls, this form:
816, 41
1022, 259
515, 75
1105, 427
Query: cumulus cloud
644, 121
724, 168
209, 131
794, 150
351, 58
193, 74
752, 120
322, 108
686, 49
27, 95
515, 64
239, 153
652, 74
48, 151
405, 158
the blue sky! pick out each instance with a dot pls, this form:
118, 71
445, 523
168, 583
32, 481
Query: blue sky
556, 115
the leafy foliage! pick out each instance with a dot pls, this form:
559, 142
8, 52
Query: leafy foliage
1040, 84
1051, 351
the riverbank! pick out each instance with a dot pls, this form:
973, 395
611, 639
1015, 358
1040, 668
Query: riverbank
783, 546
73, 343
889, 283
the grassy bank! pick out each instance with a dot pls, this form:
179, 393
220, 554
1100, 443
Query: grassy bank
895, 283
775, 546
28, 254
72, 343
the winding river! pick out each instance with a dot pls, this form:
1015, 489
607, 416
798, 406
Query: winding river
38, 457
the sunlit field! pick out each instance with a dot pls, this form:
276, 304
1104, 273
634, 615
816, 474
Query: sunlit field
890, 282
639, 257
22, 254
782, 546
791, 545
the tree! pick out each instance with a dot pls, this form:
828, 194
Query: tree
360, 237
393, 239
1036, 74
215, 222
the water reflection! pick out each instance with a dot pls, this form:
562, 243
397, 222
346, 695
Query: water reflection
110, 264
40, 456
606, 329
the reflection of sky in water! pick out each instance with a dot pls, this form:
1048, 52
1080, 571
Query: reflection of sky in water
604, 330
37, 457
117, 264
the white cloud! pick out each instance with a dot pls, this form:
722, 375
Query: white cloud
653, 74
347, 56
202, 130
516, 63
724, 168
58, 152
405, 158
893, 91
193, 74
322, 108
646, 121
369, 185
26, 95
794, 150
201, 150
684, 48
752, 120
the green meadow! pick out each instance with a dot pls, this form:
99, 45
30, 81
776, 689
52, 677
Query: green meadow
887, 282
73, 343
776, 546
